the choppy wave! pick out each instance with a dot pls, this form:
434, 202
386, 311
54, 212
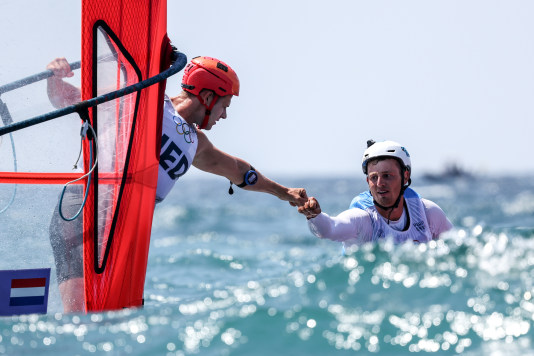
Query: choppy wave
242, 275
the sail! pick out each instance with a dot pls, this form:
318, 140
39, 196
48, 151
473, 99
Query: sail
123, 42
91, 224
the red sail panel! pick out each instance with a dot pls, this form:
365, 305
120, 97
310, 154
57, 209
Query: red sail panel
123, 42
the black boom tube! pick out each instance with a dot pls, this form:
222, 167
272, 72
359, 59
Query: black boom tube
178, 63
33, 78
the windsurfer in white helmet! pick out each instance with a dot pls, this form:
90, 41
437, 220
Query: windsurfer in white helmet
390, 209
208, 87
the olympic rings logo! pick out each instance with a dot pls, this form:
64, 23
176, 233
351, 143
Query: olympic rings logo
183, 128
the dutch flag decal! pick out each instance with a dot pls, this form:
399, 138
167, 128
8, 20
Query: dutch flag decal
24, 291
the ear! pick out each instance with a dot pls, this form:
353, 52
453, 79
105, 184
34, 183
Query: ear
207, 96
406, 176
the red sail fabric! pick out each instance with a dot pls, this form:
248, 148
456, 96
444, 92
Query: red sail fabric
123, 42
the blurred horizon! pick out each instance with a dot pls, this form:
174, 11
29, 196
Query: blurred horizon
451, 81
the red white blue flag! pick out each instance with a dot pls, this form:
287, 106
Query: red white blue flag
24, 291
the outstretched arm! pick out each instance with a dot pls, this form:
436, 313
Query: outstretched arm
210, 159
61, 93
353, 224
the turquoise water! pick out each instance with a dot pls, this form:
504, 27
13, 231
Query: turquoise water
242, 275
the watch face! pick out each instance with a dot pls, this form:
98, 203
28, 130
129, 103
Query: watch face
252, 177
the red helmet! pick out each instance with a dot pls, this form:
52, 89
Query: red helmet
210, 73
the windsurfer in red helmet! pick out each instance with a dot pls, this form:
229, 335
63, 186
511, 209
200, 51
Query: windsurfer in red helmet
208, 88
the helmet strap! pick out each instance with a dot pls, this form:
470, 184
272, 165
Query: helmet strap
397, 202
208, 110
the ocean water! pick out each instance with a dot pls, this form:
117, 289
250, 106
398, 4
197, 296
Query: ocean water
242, 275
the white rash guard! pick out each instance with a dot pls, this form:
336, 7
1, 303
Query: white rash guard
356, 225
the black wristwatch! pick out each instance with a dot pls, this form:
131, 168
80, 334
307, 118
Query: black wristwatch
249, 178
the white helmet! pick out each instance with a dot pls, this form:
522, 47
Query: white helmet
386, 149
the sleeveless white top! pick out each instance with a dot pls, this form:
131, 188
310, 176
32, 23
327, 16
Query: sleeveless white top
178, 148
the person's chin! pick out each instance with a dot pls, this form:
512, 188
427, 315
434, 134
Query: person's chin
384, 200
